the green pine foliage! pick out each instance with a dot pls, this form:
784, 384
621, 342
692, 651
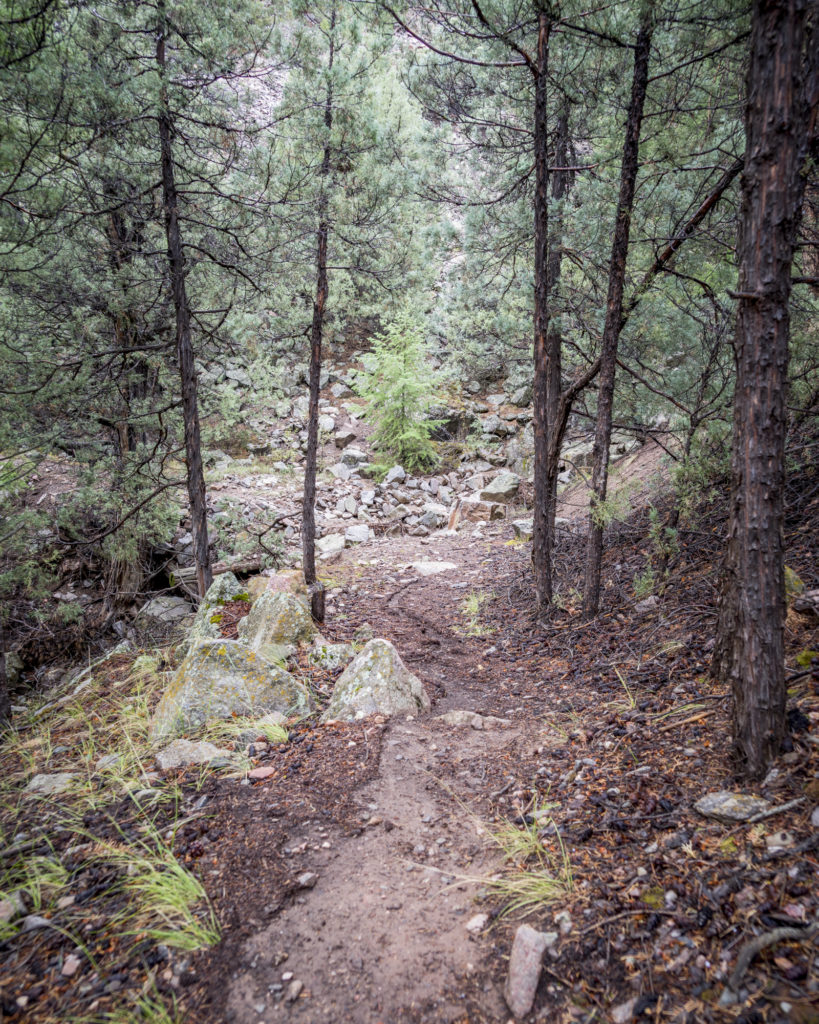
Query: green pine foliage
400, 387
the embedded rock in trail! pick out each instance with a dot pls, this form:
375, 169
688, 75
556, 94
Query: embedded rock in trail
432, 568
220, 678
730, 808
471, 719
206, 626
277, 619
185, 752
376, 682
503, 488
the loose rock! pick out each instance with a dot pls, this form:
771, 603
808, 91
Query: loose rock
524, 967
730, 807
184, 752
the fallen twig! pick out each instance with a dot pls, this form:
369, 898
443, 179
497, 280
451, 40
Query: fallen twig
687, 721
750, 949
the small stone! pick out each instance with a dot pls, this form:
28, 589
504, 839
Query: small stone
261, 773
64, 902
71, 965
524, 528
645, 606
476, 924
814, 818
51, 785
623, 1012
433, 568
524, 967
396, 474
564, 922
294, 990
8, 911
183, 752
34, 921
307, 880
730, 807
779, 840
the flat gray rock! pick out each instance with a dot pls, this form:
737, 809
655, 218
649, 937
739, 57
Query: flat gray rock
524, 528
357, 534
51, 785
184, 752
503, 488
472, 720
331, 544
730, 808
165, 608
432, 568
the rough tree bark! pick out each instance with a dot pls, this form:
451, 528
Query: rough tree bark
5, 697
561, 178
541, 539
308, 522
184, 344
780, 117
614, 318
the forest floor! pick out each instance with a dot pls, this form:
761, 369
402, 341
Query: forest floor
373, 875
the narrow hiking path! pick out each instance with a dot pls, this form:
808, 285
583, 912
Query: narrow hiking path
382, 925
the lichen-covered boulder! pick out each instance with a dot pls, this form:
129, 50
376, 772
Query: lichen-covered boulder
220, 678
328, 655
206, 625
376, 682
287, 581
276, 619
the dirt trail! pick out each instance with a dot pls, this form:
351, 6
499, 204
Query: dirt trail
382, 936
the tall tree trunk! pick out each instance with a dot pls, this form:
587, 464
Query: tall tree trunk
5, 696
541, 540
184, 345
561, 180
614, 318
308, 519
779, 118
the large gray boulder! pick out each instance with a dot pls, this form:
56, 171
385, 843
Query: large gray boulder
503, 488
376, 682
222, 678
276, 618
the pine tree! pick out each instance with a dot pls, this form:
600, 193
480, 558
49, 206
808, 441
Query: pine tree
400, 388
